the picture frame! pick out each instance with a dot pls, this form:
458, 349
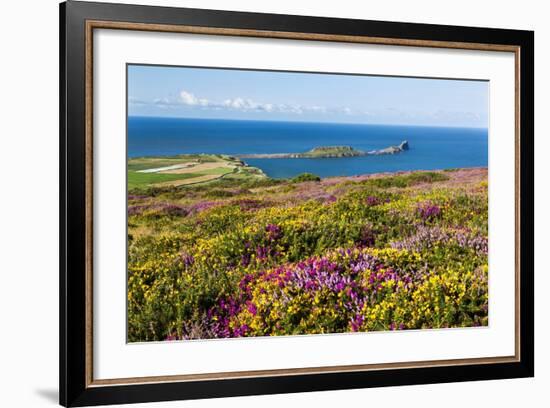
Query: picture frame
79, 21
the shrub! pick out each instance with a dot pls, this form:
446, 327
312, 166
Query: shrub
406, 180
240, 258
305, 177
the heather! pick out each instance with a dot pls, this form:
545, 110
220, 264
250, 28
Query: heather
259, 257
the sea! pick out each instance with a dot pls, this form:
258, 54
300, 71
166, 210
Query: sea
430, 147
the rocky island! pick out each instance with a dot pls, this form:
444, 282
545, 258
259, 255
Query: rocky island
323, 152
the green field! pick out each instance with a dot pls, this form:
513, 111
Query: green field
193, 169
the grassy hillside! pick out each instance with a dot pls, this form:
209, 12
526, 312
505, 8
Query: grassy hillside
333, 151
252, 256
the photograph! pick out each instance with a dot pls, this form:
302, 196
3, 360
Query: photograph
278, 203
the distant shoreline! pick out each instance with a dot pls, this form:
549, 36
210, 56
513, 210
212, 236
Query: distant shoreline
328, 152
184, 170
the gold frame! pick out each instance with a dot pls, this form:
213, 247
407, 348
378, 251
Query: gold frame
99, 24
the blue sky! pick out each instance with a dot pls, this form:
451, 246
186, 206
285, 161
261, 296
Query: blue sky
286, 96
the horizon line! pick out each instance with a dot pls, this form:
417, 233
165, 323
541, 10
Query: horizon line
308, 121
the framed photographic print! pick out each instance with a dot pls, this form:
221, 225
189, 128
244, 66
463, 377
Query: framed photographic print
256, 203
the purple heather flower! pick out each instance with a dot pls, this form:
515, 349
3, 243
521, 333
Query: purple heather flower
368, 237
137, 209
187, 259
251, 307
245, 260
172, 209
136, 197
202, 206
166, 208
356, 322
428, 211
426, 237
244, 283
262, 253
372, 201
240, 331
339, 286
310, 286
273, 232
355, 280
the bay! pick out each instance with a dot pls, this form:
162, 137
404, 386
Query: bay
430, 147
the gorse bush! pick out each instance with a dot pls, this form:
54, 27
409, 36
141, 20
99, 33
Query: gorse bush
306, 177
352, 290
229, 260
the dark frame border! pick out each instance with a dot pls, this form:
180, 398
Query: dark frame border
76, 388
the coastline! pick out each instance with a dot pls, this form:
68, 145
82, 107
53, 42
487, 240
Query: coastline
198, 169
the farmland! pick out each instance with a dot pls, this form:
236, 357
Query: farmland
184, 170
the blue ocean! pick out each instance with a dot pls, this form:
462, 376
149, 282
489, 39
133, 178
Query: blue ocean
430, 147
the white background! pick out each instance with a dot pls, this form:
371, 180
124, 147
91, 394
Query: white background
29, 191
113, 358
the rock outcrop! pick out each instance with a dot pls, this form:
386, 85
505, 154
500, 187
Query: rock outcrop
327, 152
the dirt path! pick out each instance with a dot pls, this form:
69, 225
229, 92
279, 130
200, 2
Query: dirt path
194, 180
199, 167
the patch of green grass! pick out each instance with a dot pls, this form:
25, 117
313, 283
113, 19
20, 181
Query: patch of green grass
220, 193
140, 180
216, 170
239, 175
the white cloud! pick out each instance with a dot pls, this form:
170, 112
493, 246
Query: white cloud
376, 115
242, 104
187, 98
161, 101
249, 105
